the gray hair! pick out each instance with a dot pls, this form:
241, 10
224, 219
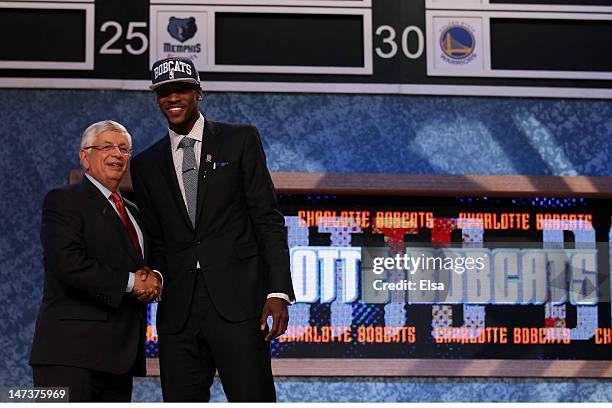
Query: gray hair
100, 127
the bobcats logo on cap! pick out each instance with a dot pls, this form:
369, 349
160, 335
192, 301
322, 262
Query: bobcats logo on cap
182, 29
174, 69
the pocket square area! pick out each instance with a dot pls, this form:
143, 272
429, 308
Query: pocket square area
217, 165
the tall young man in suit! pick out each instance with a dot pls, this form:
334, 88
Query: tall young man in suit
90, 329
218, 237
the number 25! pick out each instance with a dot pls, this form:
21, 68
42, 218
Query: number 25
131, 34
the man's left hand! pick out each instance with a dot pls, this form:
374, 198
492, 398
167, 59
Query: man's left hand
147, 286
276, 307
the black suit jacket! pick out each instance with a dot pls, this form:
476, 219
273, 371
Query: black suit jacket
86, 319
240, 239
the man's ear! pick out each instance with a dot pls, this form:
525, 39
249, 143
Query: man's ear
84, 159
199, 94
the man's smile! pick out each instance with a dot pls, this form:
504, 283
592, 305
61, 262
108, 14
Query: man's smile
116, 165
175, 109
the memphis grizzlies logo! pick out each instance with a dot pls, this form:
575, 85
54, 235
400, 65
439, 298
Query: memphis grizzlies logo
458, 43
182, 29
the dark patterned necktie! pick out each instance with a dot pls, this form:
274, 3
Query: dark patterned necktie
190, 176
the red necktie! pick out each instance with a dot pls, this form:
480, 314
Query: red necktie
125, 219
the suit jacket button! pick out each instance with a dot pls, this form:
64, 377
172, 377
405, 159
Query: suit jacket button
198, 242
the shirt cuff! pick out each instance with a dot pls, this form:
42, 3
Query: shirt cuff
158, 298
160, 276
281, 296
130, 284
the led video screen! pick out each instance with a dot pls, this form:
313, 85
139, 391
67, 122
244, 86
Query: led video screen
523, 278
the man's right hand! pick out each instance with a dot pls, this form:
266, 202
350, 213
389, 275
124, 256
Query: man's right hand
147, 285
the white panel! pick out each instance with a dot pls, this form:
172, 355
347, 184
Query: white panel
457, 47
88, 64
328, 88
52, 1
195, 46
205, 60
454, 4
485, 5
316, 3
437, 20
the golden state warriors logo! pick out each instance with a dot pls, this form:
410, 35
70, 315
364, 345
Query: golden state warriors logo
458, 43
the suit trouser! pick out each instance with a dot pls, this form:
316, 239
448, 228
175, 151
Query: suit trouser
208, 342
85, 385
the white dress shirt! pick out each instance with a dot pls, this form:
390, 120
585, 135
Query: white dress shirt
196, 133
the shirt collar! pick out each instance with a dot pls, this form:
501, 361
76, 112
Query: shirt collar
105, 191
196, 133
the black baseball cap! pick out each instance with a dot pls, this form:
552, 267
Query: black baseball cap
173, 69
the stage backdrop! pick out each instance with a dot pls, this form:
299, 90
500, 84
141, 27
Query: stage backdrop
539, 48
334, 133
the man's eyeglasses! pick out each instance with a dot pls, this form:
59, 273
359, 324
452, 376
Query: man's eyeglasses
123, 149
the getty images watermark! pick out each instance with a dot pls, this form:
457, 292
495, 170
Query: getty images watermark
501, 273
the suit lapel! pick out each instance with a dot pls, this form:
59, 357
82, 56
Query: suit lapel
210, 148
108, 213
166, 164
133, 209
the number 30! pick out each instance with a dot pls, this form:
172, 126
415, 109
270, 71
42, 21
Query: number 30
390, 40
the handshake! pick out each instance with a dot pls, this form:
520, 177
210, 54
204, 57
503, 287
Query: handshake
147, 285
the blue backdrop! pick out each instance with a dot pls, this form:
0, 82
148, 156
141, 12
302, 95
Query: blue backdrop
301, 133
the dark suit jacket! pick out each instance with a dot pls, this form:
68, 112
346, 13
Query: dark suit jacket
86, 319
240, 238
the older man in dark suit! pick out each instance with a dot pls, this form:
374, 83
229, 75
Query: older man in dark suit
90, 329
218, 236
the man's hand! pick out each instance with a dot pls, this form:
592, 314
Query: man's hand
278, 309
147, 285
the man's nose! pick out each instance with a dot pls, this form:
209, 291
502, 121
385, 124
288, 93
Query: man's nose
116, 152
173, 96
